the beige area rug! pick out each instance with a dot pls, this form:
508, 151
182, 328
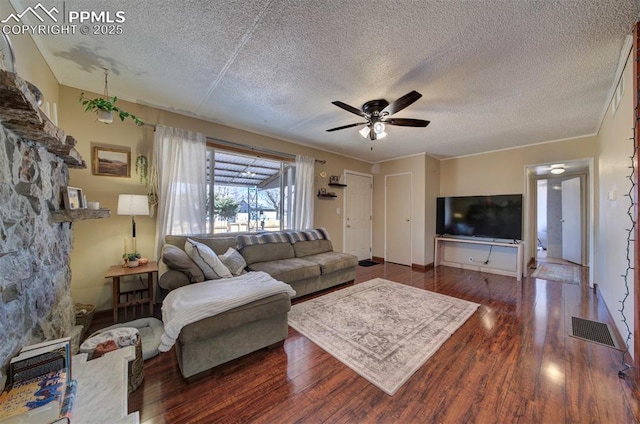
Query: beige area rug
382, 330
558, 272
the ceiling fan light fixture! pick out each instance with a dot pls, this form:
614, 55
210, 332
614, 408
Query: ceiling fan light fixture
378, 128
381, 135
364, 132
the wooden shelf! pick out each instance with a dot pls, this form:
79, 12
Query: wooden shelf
72, 215
20, 114
337, 185
327, 196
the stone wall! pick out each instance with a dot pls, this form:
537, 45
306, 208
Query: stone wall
35, 276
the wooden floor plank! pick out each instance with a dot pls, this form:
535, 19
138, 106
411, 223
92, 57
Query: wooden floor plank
512, 361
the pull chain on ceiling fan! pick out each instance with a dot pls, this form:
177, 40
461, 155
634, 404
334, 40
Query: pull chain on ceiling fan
377, 113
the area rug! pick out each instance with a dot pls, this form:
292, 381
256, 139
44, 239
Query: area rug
558, 272
382, 330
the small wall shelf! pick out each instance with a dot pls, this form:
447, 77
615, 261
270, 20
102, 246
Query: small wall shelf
327, 196
337, 185
72, 215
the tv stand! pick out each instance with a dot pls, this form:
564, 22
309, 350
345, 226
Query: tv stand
511, 266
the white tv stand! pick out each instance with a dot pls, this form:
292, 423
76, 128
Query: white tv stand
439, 255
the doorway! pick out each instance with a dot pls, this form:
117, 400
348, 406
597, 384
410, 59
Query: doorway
559, 219
535, 245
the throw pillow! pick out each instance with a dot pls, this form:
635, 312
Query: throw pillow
233, 260
207, 260
177, 259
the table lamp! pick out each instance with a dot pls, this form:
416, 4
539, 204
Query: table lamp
133, 204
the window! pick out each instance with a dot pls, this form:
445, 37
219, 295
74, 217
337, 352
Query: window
247, 192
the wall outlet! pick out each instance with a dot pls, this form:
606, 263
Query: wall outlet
470, 259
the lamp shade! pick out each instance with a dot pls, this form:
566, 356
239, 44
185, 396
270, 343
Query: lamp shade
133, 204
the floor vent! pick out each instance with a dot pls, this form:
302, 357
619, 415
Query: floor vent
592, 331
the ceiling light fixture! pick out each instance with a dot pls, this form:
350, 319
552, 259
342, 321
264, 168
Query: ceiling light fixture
378, 128
557, 169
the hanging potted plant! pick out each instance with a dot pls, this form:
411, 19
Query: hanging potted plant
105, 106
142, 169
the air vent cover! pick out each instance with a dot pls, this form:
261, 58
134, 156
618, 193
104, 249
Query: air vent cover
592, 331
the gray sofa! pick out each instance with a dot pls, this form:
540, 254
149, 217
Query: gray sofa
304, 260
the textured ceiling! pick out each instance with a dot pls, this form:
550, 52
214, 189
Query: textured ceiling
493, 74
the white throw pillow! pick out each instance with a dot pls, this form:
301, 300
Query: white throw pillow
233, 260
207, 260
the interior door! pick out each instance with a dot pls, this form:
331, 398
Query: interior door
398, 219
358, 215
571, 221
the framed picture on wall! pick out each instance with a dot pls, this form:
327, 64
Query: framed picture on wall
111, 162
72, 197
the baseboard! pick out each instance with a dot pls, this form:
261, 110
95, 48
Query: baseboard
377, 259
421, 268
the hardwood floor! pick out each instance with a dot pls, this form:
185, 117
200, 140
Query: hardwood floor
511, 362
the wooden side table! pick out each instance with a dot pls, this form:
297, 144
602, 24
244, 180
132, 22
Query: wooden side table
116, 272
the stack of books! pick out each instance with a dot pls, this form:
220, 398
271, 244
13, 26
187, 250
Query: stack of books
40, 386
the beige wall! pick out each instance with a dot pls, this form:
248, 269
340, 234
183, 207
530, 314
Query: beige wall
503, 172
615, 148
100, 243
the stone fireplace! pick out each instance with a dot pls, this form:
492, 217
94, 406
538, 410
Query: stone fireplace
35, 235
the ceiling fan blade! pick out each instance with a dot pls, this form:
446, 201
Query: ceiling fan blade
404, 122
346, 126
402, 102
350, 109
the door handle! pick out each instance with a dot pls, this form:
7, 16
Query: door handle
408, 220
348, 226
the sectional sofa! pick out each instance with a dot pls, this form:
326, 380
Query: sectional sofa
304, 259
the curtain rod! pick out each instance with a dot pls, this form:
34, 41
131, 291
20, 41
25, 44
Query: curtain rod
244, 146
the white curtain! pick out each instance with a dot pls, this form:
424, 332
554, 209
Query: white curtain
180, 158
304, 193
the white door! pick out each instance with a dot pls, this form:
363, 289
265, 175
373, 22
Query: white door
571, 221
358, 215
398, 219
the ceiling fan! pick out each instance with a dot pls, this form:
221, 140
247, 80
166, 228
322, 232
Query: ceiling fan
377, 113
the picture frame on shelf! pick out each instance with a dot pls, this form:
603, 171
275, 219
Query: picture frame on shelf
322, 192
111, 162
334, 179
73, 198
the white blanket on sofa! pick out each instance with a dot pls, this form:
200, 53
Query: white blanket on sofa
194, 302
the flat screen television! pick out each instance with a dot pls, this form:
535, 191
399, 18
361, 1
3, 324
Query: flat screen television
498, 216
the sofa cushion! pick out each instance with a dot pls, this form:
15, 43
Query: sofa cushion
207, 260
233, 260
312, 247
288, 270
333, 261
267, 252
174, 279
218, 244
177, 259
